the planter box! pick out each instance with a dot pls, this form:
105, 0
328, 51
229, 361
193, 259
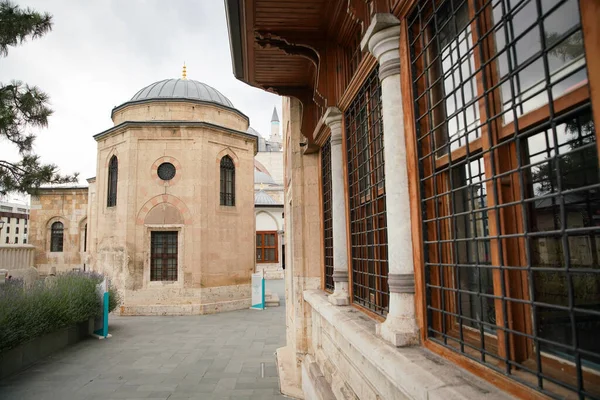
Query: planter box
26, 354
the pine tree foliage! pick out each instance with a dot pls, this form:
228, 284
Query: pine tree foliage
23, 107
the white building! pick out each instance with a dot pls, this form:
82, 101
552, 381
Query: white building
15, 218
268, 202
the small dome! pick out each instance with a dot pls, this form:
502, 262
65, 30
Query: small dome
261, 177
181, 89
262, 198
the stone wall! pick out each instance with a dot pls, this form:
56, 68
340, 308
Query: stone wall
303, 248
16, 256
66, 205
181, 111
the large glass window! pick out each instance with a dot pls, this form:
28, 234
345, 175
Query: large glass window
227, 181
510, 188
366, 184
163, 258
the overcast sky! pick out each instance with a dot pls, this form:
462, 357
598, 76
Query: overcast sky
101, 52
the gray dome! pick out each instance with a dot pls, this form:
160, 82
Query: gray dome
261, 177
261, 198
181, 89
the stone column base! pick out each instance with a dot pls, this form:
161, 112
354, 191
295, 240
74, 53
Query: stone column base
340, 296
401, 332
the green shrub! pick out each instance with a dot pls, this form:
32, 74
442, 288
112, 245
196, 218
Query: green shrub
114, 298
47, 306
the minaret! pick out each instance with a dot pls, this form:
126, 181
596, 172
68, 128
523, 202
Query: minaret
275, 136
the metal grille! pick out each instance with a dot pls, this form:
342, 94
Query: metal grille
227, 181
510, 188
113, 170
166, 171
364, 144
327, 214
164, 256
56, 237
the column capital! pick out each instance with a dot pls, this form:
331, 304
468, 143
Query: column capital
332, 116
382, 39
333, 119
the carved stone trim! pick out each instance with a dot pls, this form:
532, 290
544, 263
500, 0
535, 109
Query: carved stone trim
340, 276
401, 283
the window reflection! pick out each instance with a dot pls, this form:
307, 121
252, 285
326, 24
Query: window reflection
522, 52
566, 211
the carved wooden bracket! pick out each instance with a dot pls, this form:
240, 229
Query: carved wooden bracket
310, 52
268, 40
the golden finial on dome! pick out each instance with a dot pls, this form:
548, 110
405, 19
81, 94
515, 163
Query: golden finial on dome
184, 72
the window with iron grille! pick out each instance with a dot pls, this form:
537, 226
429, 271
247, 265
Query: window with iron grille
327, 214
227, 181
56, 237
113, 171
266, 247
510, 188
366, 189
163, 259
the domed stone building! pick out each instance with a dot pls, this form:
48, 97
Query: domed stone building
170, 214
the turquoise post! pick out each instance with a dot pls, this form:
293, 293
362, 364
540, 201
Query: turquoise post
105, 316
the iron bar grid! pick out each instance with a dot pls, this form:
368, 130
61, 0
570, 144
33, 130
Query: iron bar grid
510, 188
56, 237
163, 265
227, 181
366, 183
327, 214
113, 171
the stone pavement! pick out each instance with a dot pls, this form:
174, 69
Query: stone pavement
222, 356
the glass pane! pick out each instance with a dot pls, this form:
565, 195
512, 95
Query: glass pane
270, 238
565, 159
474, 249
258, 254
269, 254
522, 63
258, 240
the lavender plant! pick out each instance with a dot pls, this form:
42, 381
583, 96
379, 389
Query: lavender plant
26, 313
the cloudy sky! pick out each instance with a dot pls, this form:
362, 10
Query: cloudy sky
101, 52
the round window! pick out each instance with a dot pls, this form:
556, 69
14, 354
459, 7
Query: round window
166, 171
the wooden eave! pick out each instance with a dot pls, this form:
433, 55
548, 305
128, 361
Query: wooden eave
298, 48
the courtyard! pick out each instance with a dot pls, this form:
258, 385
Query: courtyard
221, 356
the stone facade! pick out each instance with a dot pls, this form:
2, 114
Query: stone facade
65, 205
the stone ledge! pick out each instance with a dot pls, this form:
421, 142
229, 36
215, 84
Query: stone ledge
415, 372
185, 309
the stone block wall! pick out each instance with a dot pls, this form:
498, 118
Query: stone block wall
66, 205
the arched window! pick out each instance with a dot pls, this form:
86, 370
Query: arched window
227, 182
56, 237
113, 170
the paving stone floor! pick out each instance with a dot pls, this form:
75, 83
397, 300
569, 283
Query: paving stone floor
222, 356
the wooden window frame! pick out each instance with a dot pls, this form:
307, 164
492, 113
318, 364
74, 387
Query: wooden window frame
487, 144
326, 206
374, 197
264, 247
